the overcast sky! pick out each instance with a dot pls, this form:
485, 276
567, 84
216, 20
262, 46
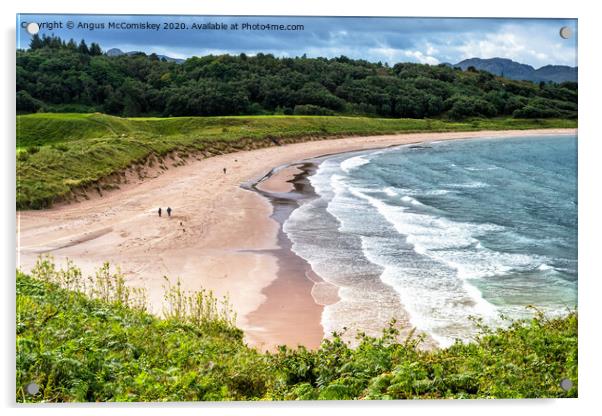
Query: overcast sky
426, 40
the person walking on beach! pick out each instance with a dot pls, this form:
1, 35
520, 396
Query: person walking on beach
159, 211
224, 171
168, 211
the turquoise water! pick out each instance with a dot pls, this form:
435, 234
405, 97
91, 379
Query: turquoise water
457, 228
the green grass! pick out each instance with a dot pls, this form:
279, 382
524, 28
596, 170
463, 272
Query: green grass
95, 342
57, 153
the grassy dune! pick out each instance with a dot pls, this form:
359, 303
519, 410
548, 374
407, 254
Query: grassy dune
59, 152
95, 342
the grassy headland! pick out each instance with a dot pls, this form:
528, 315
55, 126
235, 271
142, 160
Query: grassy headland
90, 339
57, 153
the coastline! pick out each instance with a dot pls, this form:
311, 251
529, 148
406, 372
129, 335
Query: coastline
221, 237
298, 294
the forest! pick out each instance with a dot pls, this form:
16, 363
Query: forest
54, 75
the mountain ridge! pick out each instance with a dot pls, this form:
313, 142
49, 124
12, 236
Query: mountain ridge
119, 52
519, 71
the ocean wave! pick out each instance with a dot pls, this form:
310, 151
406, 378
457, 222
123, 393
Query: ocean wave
348, 165
435, 300
475, 184
486, 263
431, 304
390, 191
454, 244
479, 169
410, 200
436, 232
544, 267
393, 191
434, 192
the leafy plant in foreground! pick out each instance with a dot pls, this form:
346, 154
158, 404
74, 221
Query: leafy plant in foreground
82, 342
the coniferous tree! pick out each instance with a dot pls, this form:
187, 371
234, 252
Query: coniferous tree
83, 48
36, 42
71, 45
95, 49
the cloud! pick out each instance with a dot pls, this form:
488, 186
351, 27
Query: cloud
424, 40
522, 44
421, 57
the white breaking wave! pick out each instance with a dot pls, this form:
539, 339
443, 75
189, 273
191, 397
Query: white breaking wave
435, 298
475, 169
449, 242
410, 200
354, 162
436, 301
390, 191
436, 192
544, 266
468, 185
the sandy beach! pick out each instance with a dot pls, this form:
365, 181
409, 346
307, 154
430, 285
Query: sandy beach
220, 236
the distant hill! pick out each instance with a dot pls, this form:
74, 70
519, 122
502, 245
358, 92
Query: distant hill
499, 66
557, 73
119, 52
515, 70
114, 52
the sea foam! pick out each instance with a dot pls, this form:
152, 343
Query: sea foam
447, 247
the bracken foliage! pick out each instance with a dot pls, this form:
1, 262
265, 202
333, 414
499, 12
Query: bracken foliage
90, 339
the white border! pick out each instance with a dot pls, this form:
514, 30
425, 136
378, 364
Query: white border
590, 140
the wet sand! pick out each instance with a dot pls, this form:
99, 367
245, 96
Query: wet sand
289, 298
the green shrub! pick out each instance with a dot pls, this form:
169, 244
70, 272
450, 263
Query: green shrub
96, 342
464, 107
540, 107
91, 339
27, 104
311, 110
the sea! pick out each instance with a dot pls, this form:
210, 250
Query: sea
449, 234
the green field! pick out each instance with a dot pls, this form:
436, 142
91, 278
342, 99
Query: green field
99, 344
57, 153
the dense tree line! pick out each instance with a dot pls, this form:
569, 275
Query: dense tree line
54, 75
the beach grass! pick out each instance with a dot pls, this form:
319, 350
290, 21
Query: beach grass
83, 339
57, 153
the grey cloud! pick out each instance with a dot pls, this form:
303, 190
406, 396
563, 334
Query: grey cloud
403, 38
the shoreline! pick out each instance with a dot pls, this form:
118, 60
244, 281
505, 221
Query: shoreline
221, 237
292, 296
